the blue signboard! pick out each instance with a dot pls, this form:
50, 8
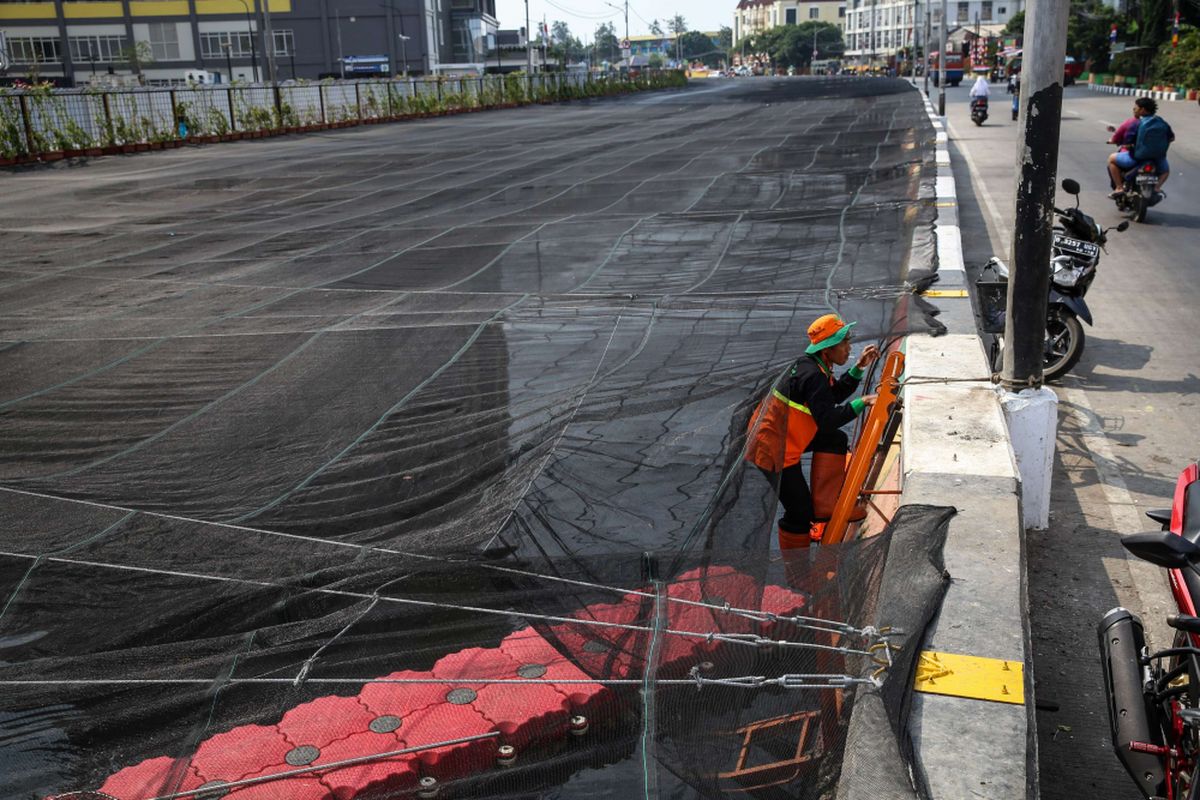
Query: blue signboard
367, 65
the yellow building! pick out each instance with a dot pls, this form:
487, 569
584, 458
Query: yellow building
755, 16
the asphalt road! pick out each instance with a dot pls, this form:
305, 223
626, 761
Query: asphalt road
1128, 413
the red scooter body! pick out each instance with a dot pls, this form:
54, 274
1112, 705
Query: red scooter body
1187, 493
1154, 698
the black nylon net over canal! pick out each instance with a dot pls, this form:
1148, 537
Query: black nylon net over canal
324, 448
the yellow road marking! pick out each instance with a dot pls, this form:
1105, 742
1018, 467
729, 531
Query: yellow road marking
973, 677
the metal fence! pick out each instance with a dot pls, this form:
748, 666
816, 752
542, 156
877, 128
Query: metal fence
46, 122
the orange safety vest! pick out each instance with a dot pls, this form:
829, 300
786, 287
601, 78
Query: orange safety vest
779, 429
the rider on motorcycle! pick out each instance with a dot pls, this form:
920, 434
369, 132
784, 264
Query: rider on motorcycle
1125, 137
980, 91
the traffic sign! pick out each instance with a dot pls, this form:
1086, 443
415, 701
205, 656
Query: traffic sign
624, 44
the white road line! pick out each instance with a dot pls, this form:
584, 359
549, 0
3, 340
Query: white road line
999, 223
1152, 602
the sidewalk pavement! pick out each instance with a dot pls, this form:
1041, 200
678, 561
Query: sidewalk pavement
957, 452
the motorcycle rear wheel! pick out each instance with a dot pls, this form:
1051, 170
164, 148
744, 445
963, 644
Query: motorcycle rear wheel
1139, 208
1064, 344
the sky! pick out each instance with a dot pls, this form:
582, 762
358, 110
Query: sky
584, 15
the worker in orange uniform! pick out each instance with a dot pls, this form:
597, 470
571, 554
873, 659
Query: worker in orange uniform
805, 412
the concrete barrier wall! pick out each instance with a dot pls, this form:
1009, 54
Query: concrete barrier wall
957, 453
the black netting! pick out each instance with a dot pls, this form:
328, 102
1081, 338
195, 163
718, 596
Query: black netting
275, 421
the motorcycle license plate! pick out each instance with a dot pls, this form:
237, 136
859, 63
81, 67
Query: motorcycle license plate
1144, 179
1075, 246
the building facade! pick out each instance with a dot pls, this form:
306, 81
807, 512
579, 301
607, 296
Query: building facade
878, 30
755, 16
78, 42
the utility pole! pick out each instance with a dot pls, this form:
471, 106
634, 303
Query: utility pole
528, 47
1037, 162
942, 62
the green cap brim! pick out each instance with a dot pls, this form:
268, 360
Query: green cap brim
832, 341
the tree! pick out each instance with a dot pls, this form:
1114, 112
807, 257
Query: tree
1179, 66
726, 36
677, 25
1015, 26
697, 46
608, 46
1087, 30
656, 28
560, 32
792, 45
655, 61
138, 55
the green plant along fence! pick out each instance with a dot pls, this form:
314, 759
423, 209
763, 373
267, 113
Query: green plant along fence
47, 123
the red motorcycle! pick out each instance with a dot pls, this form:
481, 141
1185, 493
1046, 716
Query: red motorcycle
1154, 698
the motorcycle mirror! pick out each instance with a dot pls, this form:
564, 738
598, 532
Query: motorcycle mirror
1124, 226
1070, 186
1162, 548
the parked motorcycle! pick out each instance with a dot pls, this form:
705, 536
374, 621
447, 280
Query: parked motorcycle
979, 109
1154, 698
1140, 192
1078, 240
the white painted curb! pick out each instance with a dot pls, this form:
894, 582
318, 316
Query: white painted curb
1133, 92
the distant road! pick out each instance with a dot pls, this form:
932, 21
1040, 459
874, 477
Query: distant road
1129, 415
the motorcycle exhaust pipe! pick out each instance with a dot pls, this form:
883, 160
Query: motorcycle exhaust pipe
1122, 642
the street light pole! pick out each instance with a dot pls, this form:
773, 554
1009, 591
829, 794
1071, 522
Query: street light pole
912, 53
341, 56
269, 42
250, 35
874, 12
528, 47
404, 49
942, 62
228, 46
928, 38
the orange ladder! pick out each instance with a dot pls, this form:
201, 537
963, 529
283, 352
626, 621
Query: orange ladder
874, 441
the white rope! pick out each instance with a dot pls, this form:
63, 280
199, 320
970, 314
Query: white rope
831, 680
750, 640
762, 616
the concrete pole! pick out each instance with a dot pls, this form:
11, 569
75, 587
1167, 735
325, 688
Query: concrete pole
1039, 122
1029, 407
942, 62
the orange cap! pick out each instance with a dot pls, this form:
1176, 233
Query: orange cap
827, 331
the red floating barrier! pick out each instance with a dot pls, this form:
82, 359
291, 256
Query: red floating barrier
386, 717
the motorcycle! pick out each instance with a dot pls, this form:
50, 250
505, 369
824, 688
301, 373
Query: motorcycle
1078, 240
1154, 698
979, 109
1140, 192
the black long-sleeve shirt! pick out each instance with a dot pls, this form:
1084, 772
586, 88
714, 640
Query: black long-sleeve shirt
808, 384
